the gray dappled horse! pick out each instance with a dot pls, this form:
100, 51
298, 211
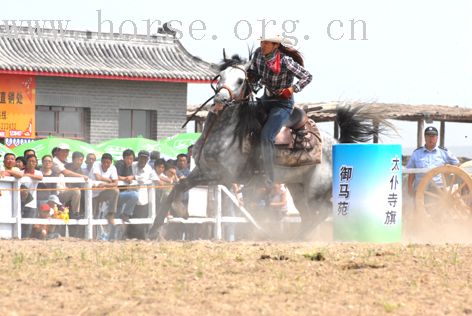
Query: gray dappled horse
221, 159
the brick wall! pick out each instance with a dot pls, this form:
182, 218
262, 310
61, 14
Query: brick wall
106, 97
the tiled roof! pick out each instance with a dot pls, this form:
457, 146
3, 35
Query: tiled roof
160, 57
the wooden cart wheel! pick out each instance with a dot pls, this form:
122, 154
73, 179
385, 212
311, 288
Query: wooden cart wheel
445, 195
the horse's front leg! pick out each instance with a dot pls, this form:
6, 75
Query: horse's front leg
173, 202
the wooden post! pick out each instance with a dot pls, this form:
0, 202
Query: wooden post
419, 132
442, 133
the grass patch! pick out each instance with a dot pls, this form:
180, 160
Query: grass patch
390, 307
18, 259
315, 256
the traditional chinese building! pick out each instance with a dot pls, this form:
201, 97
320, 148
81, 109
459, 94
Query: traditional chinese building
92, 86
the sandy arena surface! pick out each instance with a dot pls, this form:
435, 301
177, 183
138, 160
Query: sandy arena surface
73, 277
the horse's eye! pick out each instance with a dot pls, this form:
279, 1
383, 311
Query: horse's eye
240, 81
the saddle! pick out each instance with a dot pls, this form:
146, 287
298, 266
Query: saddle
299, 141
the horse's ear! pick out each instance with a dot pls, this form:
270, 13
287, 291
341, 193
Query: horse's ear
224, 55
250, 51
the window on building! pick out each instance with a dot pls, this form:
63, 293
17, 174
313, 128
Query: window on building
137, 122
61, 121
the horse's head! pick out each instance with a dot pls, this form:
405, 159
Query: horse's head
231, 84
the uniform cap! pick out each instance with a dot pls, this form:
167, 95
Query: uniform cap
431, 130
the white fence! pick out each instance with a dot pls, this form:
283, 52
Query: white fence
11, 219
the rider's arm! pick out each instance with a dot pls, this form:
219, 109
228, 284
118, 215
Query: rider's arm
299, 72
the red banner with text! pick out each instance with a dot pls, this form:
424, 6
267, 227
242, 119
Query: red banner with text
17, 106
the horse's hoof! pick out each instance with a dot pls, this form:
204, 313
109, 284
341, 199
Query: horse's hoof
152, 234
156, 233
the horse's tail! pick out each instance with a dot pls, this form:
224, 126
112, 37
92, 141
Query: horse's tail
359, 123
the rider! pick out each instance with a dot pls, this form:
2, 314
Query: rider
276, 65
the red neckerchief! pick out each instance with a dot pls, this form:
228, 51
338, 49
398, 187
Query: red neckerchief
274, 63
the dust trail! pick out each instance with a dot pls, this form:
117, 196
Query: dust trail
439, 227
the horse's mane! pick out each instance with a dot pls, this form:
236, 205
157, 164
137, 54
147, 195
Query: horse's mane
247, 111
234, 61
248, 122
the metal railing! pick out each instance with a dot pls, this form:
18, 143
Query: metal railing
11, 219
13, 216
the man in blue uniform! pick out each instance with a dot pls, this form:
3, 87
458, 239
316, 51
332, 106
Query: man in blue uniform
428, 156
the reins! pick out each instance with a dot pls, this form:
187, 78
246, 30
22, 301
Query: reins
232, 100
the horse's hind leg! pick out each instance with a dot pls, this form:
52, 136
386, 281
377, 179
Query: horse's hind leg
300, 201
313, 211
322, 210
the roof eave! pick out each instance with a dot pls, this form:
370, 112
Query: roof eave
96, 76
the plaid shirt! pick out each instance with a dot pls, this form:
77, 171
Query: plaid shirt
276, 82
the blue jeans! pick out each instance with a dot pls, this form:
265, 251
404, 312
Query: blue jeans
129, 200
279, 111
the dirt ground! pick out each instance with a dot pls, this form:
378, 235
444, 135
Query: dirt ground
73, 277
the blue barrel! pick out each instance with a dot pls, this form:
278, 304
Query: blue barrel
367, 192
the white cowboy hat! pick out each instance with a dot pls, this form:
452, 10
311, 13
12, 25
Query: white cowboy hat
275, 38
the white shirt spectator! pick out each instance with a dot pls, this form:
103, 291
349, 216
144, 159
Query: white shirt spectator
110, 173
143, 175
32, 185
58, 166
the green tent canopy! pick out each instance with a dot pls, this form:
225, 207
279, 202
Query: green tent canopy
116, 146
44, 146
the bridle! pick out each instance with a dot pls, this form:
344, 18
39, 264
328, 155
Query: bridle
216, 89
232, 99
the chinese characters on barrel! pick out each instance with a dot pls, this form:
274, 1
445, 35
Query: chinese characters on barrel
345, 174
392, 199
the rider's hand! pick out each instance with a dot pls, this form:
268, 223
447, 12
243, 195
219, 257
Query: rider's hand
286, 93
252, 76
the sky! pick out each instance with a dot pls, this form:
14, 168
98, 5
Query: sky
412, 52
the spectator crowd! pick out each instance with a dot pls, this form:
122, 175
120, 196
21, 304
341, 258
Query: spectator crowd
118, 191
118, 188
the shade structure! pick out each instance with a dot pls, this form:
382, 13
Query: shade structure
116, 146
45, 146
4, 150
178, 144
